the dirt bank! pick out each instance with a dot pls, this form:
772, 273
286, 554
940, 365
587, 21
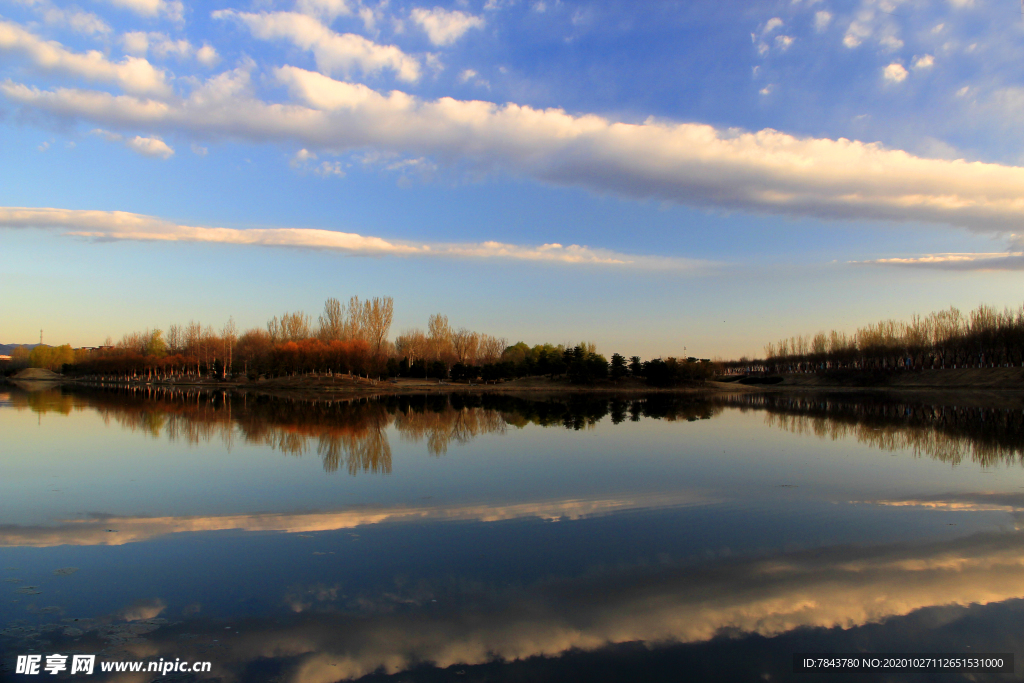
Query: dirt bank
37, 375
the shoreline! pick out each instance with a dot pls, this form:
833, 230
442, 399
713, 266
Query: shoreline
995, 381
339, 387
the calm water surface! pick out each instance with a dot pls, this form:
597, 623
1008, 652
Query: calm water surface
508, 539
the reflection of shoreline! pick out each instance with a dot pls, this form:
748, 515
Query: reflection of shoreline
328, 636
121, 530
951, 433
349, 434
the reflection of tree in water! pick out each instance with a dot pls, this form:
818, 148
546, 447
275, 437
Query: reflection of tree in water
352, 433
941, 430
449, 424
368, 451
349, 432
45, 401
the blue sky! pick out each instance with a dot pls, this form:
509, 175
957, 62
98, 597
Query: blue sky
649, 176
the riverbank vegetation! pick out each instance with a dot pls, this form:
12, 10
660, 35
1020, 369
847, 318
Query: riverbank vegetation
351, 339
949, 339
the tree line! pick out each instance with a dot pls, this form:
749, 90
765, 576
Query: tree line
348, 338
982, 338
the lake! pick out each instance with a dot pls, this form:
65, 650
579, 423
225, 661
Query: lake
509, 538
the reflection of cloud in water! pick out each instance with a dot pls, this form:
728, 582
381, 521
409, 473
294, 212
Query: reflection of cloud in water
960, 502
121, 530
143, 609
838, 587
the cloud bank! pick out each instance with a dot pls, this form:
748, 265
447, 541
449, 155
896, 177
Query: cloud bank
444, 27
121, 225
333, 52
133, 74
689, 163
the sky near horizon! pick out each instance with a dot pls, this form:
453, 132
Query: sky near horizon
653, 177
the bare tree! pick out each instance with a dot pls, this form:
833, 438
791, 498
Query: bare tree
208, 344
193, 339
228, 335
296, 326
412, 345
491, 348
274, 330
439, 334
379, 312
355, 323
332, 322
175, 339
291, 327
466, 344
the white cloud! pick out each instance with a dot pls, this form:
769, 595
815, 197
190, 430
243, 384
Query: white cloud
180, 48
333, 52
301, 158
468, 75
1008, 260
120, 225
199, 150
207, 55
135, 43
370, 17
329, 168
963, 91
328, 10
890, 43
895, 73
150, 147
694, 164
141, 43
783, 42
77, 20
822, 19
444, 27
767, 90
924, 62
158, 44
169, 9
107, 135
772, 24
44, 146
133, 74
856, 33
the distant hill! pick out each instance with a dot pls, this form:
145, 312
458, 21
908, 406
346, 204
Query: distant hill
5, 349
